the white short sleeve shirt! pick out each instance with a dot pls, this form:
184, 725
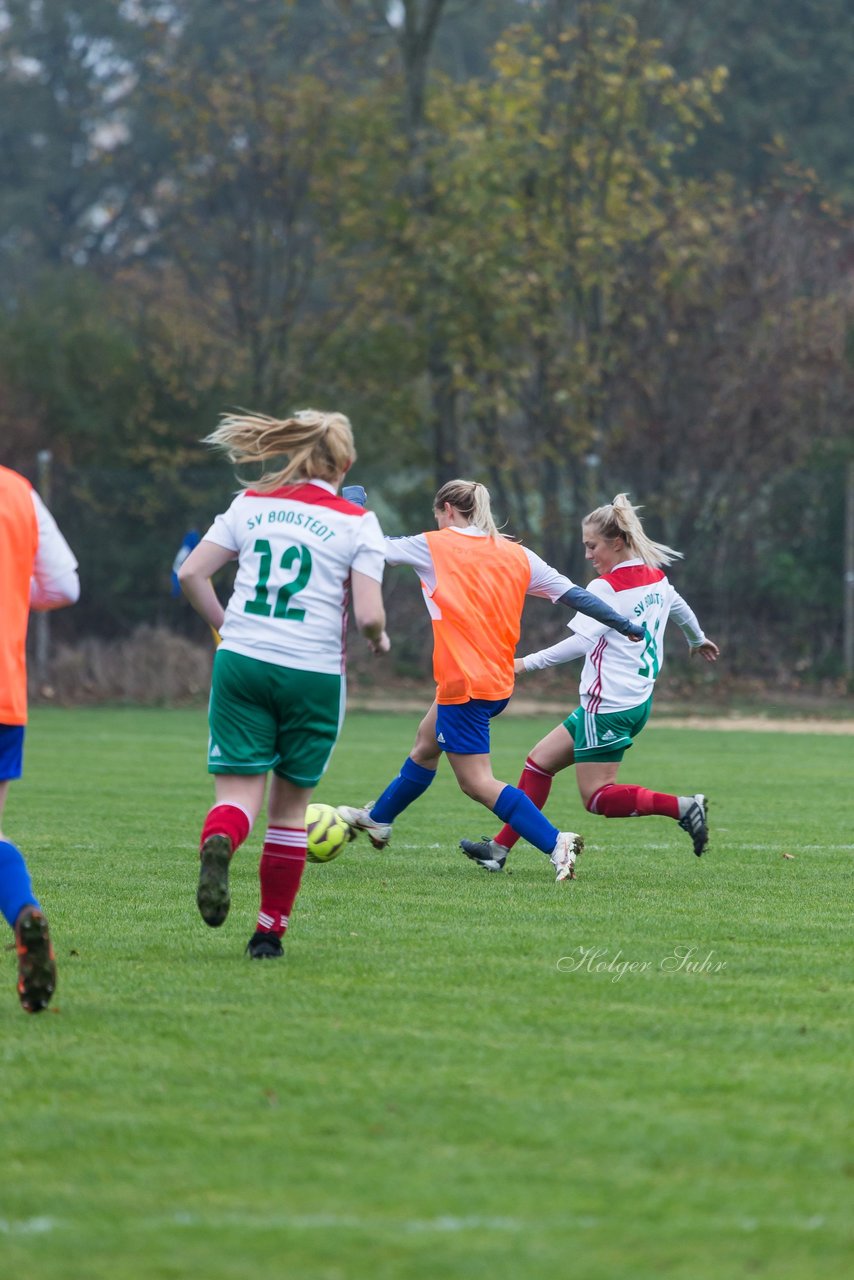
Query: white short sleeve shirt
295, 548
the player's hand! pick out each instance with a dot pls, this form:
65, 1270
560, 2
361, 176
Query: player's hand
382, 644
636, 634
519, 666
355, 493
708, 649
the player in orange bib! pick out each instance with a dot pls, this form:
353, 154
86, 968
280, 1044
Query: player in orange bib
617, 683
475, 582
37, 571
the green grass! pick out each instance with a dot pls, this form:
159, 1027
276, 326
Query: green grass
418, 1090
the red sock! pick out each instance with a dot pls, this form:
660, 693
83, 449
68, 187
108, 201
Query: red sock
614, 801
280, 872
227, 820
536, 784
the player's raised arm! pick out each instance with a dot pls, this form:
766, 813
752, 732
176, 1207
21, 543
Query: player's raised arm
575, 646
547, 581
585, 602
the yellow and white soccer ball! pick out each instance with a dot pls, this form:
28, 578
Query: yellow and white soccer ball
326, 832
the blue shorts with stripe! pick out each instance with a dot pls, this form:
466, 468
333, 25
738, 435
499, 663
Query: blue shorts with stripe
606, 735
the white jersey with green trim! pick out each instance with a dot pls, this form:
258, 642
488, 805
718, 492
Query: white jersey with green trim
295, 548
618, 673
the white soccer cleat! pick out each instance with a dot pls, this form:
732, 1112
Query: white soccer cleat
379, 833
565, 855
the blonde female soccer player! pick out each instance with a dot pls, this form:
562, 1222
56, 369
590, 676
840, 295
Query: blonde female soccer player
475, 582
278, 690
617, 682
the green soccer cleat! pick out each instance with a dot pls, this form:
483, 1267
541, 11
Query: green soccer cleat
212, 895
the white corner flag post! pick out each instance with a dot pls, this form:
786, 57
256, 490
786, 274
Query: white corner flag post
42, 619
848, 587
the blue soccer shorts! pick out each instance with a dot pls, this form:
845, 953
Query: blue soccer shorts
463, 728
11, 751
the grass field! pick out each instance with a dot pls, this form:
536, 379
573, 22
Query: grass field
436, 1080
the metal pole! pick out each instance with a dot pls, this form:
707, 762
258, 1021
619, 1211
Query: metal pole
45, 457
848, 614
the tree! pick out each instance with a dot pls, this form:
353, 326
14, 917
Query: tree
119, 393
67, 93
737, 394
789, 64
545, 182
236, 209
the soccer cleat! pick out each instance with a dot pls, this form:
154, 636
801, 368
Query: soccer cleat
264, 946
212, 895
565, 854
379, 833
695, 820
36, 961
486, 853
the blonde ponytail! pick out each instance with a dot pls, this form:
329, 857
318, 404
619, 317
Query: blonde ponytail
317, 446
619, 519
472, 501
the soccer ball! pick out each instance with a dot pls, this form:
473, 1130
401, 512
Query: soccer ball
326, 832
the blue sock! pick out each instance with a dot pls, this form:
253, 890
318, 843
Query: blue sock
412, 781
520, 813
16, 890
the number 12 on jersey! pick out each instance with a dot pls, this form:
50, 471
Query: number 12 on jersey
298, 558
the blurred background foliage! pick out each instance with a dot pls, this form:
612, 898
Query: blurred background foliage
568, 248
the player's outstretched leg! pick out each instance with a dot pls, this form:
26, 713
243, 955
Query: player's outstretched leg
694, 818
36, 961
487, 853
379, 833
410, 783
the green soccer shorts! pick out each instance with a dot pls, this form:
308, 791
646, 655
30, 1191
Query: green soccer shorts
606, 735
262, 716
